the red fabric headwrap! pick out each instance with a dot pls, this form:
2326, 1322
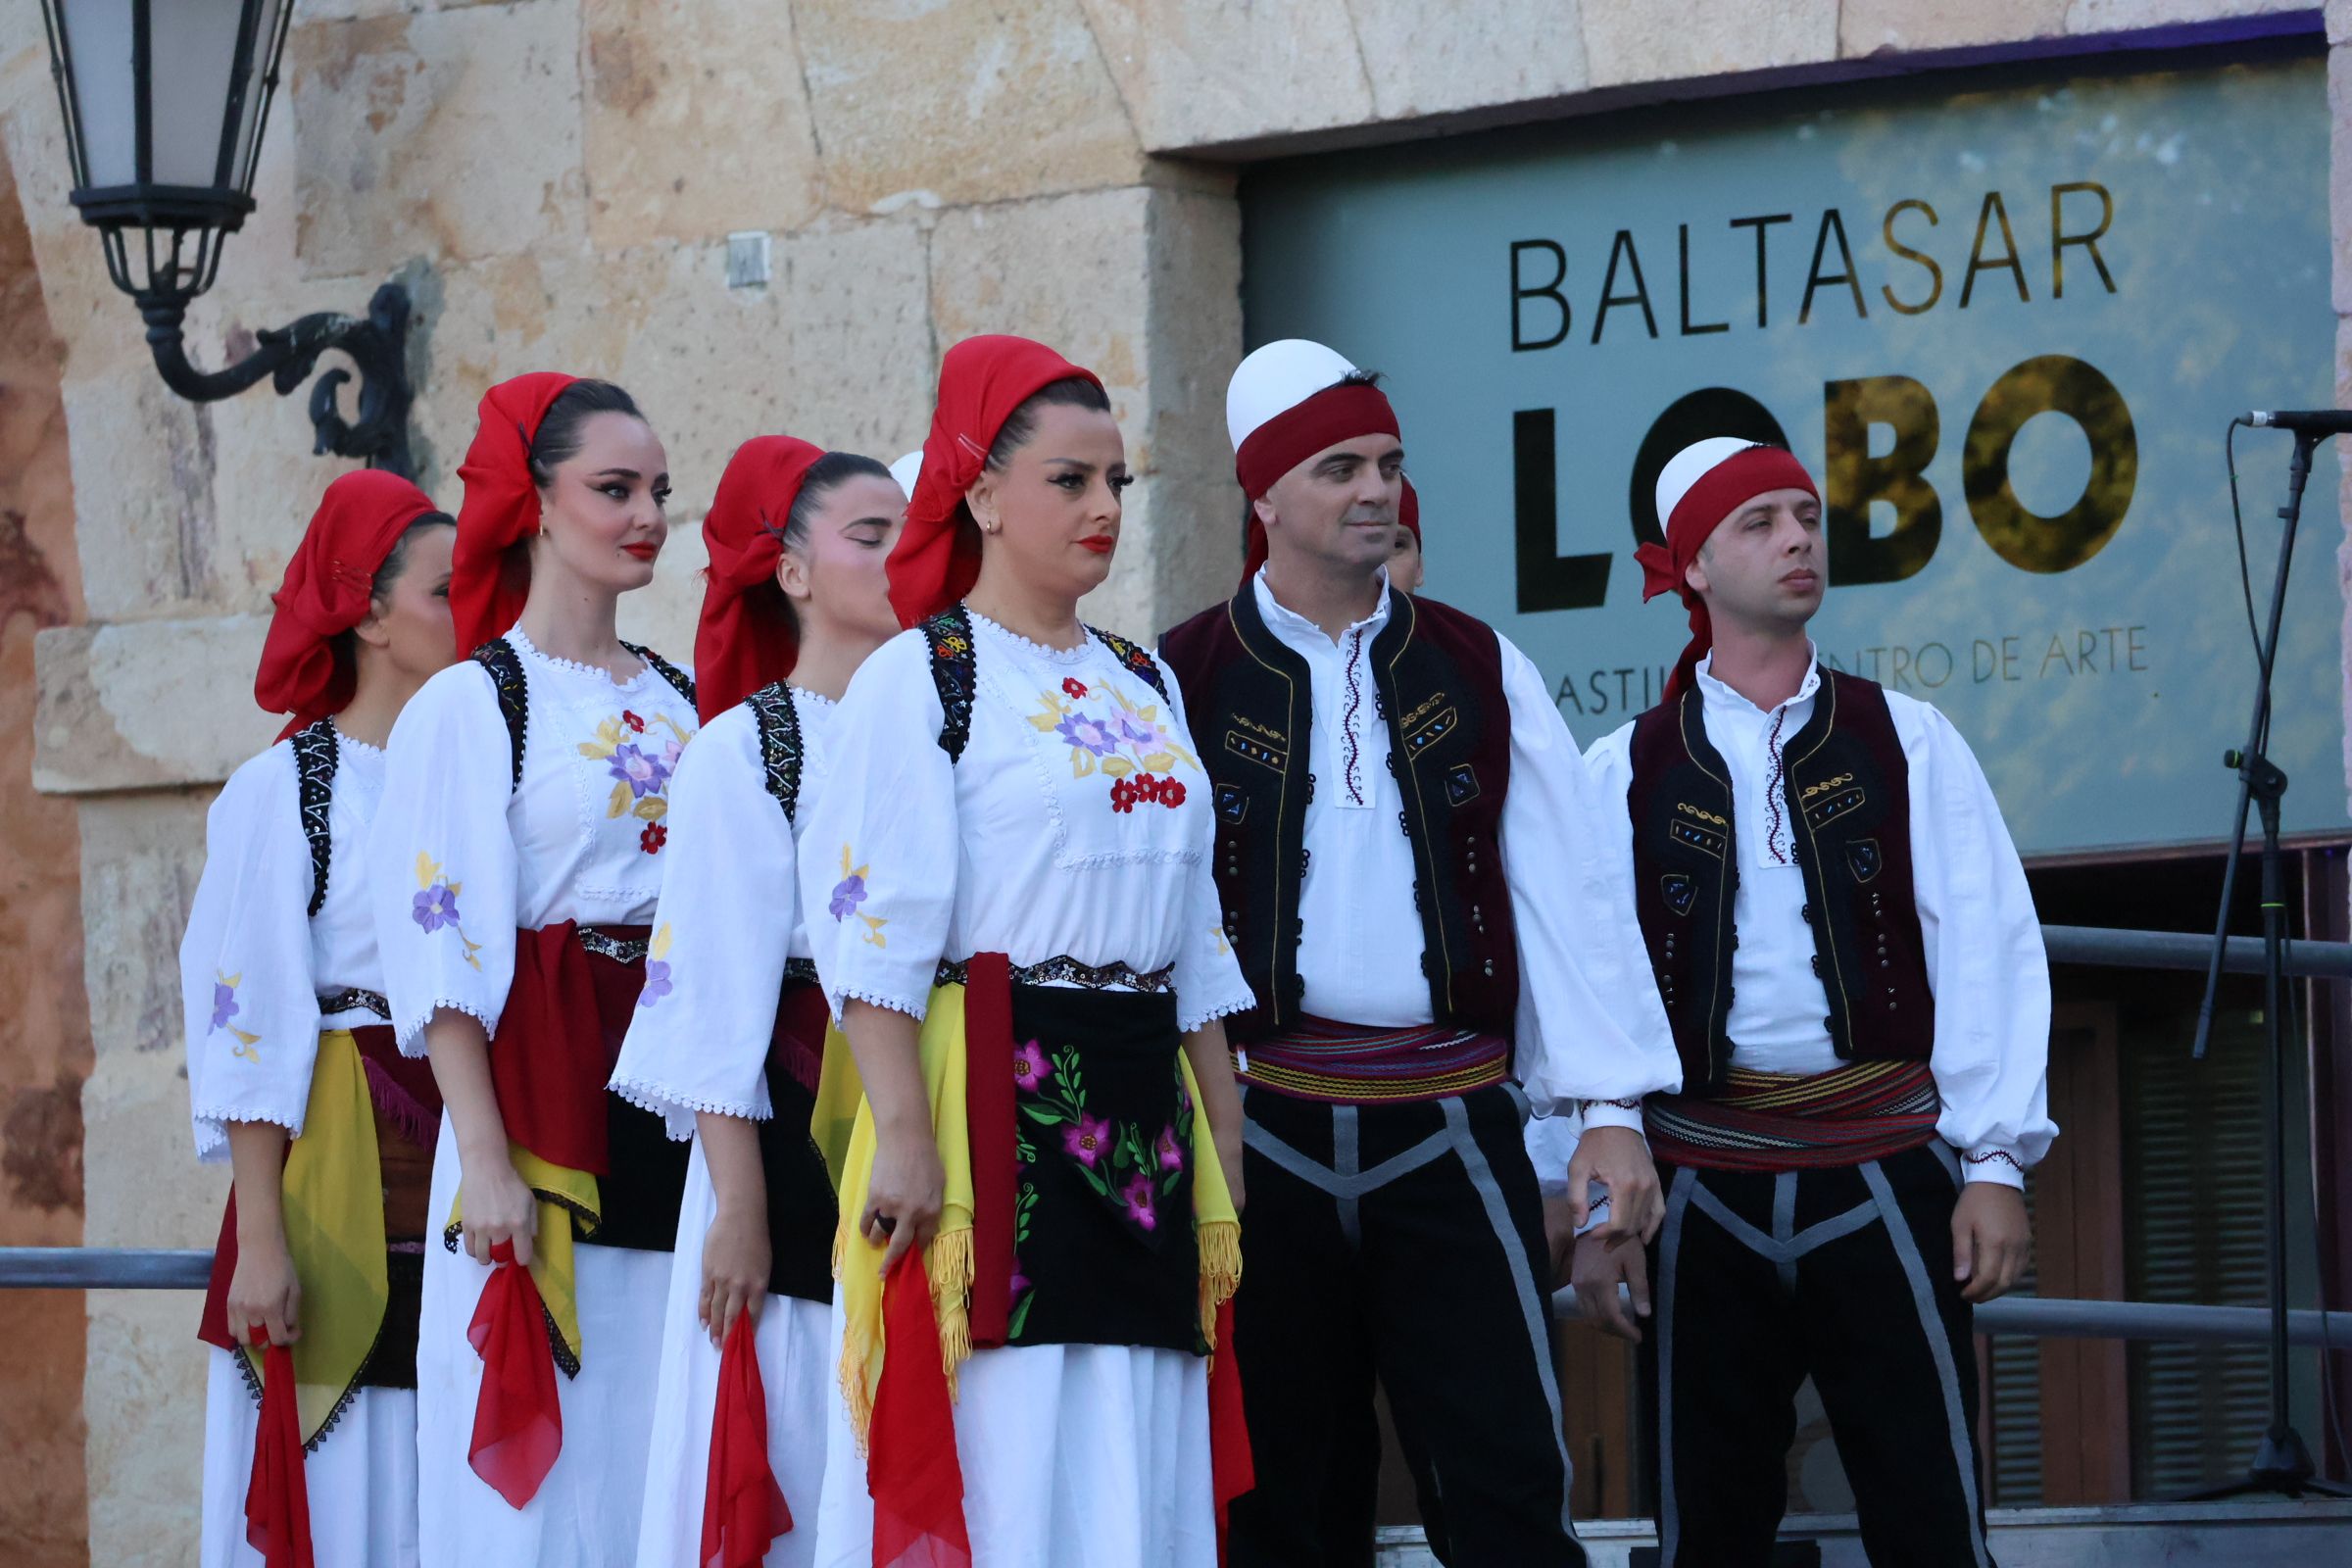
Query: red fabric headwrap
745, 639
1725, 488
326, 592
1254, 553
982, 380
1332, 415
490, 574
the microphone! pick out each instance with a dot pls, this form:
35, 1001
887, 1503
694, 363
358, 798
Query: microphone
2317, 422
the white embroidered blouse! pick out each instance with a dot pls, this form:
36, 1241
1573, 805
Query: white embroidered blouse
729, 919
1076, 826
462, 856
256, 966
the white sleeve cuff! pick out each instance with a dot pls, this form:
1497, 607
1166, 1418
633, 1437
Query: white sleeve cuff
1609, 1114
1989, 1162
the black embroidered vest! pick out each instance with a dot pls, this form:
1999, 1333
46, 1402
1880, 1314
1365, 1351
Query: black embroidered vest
1849, 803
1249, 701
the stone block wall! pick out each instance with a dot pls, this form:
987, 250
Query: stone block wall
555, 180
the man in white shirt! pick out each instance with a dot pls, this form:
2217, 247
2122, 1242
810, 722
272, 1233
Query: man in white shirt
1853, 972
1416, 874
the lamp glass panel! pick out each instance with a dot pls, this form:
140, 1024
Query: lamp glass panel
195, 54
269, 28
97, 35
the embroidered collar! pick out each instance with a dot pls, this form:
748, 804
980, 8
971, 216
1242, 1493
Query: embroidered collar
1291, 626
1724, 699
523, 644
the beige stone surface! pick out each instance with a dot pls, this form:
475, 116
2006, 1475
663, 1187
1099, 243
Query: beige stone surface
143, 1390
697, 123
925, 103
1428, 56
2339, 178
146, 705
1629, 41
1199, 73
1906, 26
453, 134
2117, 15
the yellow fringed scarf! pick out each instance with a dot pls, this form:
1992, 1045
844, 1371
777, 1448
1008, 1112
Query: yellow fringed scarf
949, 1258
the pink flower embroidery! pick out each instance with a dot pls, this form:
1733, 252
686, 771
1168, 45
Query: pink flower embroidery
1030, 1067
1172, 1152
1136, 1199
1087, 1142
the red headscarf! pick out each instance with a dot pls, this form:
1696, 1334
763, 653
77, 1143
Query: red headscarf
982, 380
1691, 521
745, 640
326, 592
1253, 554
490, 574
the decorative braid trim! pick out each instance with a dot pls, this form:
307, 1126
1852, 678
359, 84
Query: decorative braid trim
620, 949
350, 997
779, 725
679, 681
505, 664
1063, 969
954, 672
314, 781
1137, 659
1991, 1155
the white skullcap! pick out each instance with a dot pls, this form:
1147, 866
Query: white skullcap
1691, 465
908, 469
1277, 378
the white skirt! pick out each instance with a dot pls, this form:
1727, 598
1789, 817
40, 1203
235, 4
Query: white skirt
585, 1513
1073, 1456
797, 1343
362, 1480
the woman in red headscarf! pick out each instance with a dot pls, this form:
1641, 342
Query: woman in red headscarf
1008, 885
514, 871
292, 1075
729, 1033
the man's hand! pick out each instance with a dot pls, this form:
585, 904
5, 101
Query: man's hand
1595, 1274
1992, 1241
1618, 1159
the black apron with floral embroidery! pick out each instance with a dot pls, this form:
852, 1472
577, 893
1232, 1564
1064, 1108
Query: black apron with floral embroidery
1103, 1249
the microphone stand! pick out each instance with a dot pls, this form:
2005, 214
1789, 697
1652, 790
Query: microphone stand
2281, 1464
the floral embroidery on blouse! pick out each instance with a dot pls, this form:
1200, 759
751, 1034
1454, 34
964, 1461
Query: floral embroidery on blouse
226, 1008
640, 770
851, 892
435, 906
657, 982
1128, 745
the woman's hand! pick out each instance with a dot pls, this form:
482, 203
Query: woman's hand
736, 1260
264, 1289
908, 1188
494, 1205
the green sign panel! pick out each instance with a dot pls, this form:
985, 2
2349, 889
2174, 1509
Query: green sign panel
2005, 325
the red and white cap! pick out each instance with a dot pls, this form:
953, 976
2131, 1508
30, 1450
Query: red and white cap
1287, 401
1698, 490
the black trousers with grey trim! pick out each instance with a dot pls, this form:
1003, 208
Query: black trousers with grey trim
1403, 1242
1762, 1278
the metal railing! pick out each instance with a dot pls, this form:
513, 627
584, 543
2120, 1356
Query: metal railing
133, 1268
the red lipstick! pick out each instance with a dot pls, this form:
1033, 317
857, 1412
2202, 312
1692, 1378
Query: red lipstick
1102, 544
642, 551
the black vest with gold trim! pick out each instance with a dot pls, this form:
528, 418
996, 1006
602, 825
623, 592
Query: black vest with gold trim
1250, 705
1848, 798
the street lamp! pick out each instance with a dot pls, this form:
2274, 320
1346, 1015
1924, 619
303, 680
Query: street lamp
165, 104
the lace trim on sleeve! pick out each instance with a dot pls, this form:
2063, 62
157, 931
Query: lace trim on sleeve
1185, 1023
674, 1107
212, 1127
409, 1036
876, 999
